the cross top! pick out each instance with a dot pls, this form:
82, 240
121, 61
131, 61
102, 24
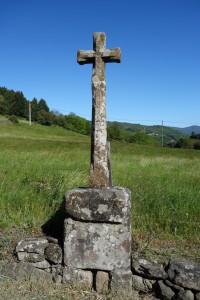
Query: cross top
99, 44
99, 169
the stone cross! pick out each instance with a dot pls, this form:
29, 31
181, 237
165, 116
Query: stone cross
99, 168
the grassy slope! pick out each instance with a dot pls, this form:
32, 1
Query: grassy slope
39, 164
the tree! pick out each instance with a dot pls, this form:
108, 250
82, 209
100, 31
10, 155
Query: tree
18, 105
34, 110
140, 138
78, 124
59, 120
114, 132
45, 118
195, 136
14, 103
182, 143
42, 105
2, 105
9, 99
196, 146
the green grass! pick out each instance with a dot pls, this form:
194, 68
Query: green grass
2, 118
39, 164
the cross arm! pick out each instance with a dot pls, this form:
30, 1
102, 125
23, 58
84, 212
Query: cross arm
85, 56
112, 55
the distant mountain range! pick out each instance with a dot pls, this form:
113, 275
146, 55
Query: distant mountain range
189, 130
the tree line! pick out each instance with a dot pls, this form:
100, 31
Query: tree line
15, 105
193, 142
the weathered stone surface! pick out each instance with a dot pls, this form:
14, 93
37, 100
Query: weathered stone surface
185, 273
52, 240
165, 292
77, 277
138, 284
148, 269
174, 287
41, 264
34, 245
149, 284
99, 205
121, 281
197, 297
102, 281
69, 275
57, 279
142, 284
185, 295
56, 269
30, 257
99, 171
85, 278
22, 256
23, 271
96, 246
53, 253
57, 273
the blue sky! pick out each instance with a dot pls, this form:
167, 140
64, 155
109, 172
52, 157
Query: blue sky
158, 78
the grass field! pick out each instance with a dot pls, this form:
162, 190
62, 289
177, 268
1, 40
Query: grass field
39, 164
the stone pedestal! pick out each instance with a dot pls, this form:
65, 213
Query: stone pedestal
97, 237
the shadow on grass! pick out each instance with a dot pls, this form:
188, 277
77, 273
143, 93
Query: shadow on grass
54, 227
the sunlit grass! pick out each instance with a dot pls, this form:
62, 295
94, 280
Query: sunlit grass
39, 164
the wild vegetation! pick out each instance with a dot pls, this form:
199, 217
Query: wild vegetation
15, 106
193, 142
39, 164
154, 133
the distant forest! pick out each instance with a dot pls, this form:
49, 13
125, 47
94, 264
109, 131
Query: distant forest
14, 106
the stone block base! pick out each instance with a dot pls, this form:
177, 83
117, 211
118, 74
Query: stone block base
96, 246
78, 277
121, 280
97, 238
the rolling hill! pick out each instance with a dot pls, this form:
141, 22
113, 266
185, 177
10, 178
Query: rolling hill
188, 130
155, 131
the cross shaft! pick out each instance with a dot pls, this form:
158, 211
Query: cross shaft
99, 168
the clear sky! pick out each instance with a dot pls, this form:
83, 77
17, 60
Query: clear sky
158, 78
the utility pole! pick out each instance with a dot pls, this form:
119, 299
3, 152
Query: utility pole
162, 135
30, 113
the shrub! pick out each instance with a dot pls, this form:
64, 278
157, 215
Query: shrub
13, 119
197, 146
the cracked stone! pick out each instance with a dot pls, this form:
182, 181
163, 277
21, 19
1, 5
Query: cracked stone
102, 281
33, 245
53, 253
164, 291
149, 269
110, 205
96, 246
185, 295
185, 274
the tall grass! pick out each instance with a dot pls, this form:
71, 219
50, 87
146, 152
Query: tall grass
39, 164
